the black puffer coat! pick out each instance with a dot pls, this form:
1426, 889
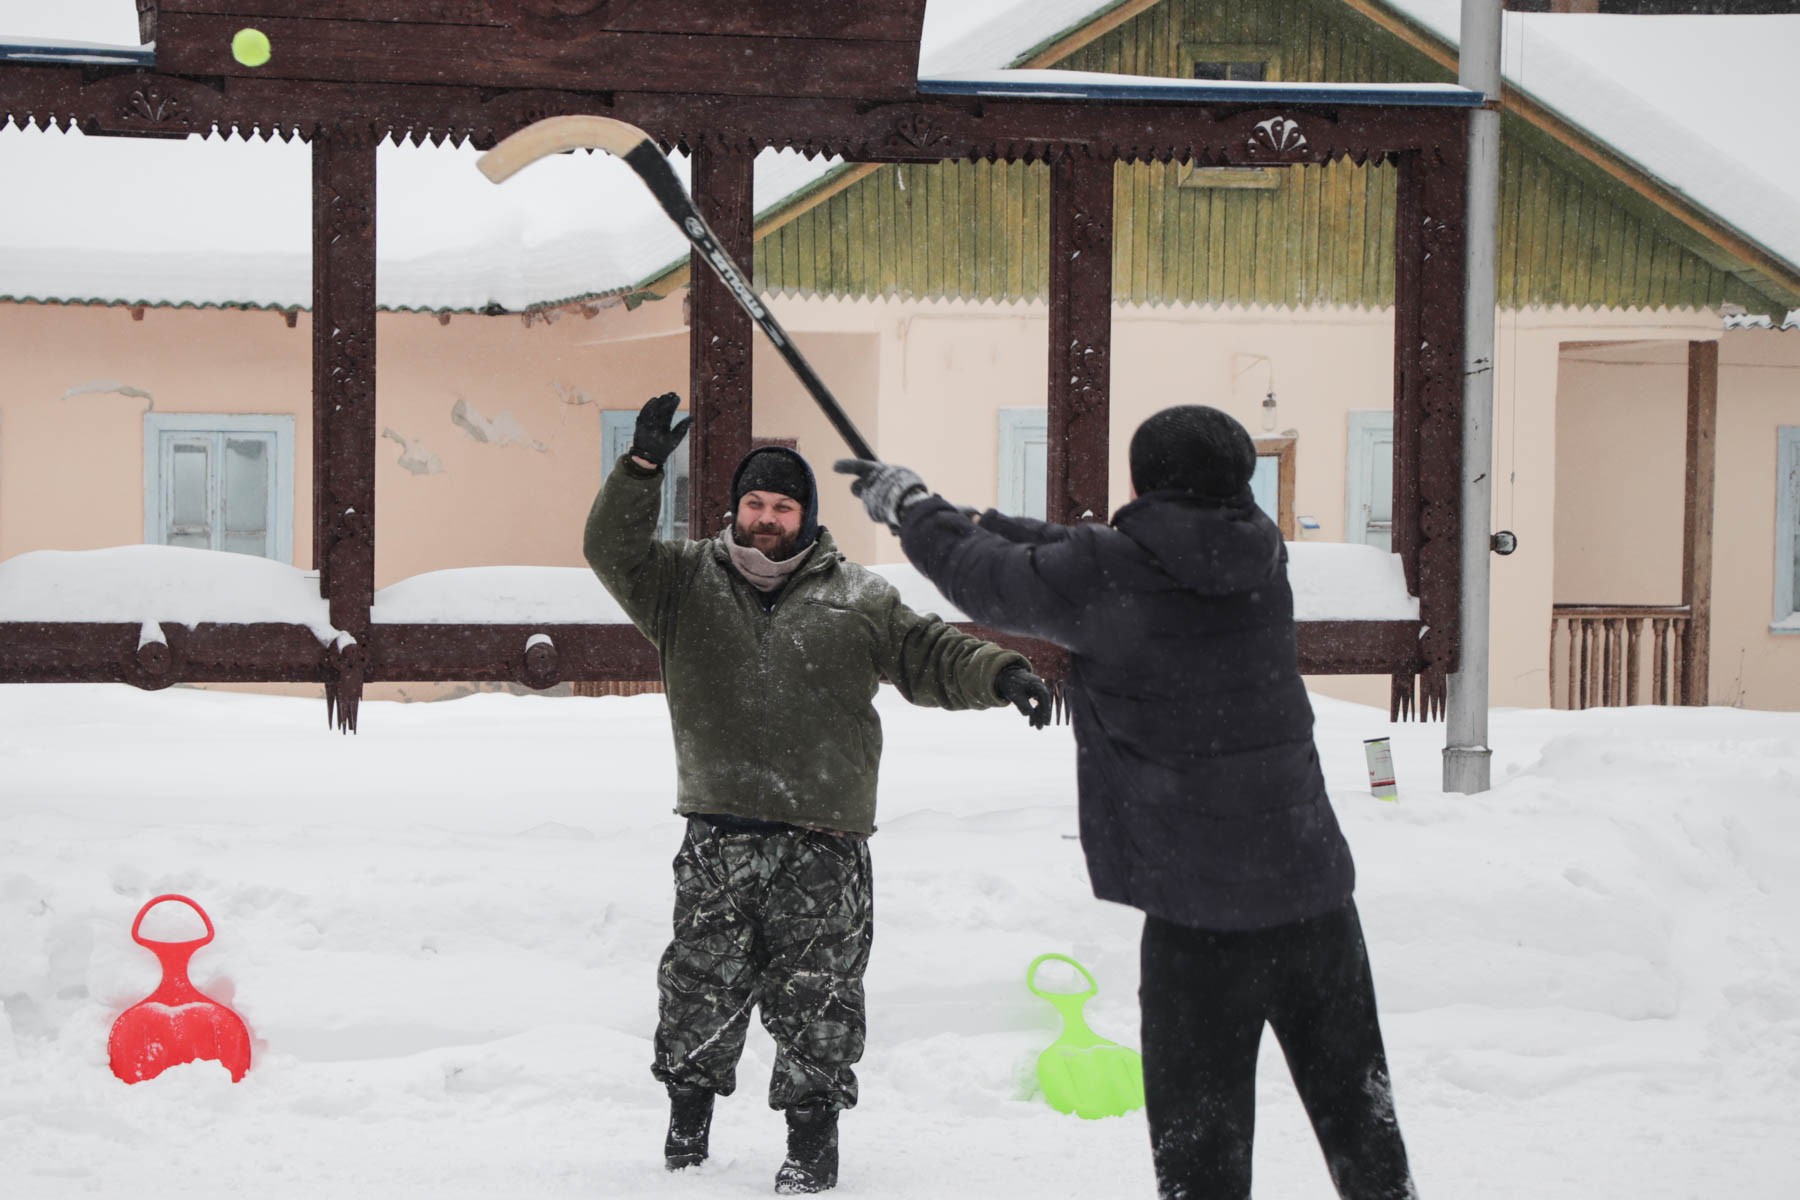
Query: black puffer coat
1202, 801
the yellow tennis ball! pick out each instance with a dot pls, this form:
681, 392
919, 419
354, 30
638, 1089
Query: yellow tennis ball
250, 47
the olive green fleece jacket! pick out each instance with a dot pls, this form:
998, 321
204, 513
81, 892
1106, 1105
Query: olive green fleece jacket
773, 709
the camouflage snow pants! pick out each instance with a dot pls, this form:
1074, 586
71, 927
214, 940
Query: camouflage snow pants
779, 920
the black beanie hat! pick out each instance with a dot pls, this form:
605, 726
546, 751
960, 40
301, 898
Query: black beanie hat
1192, 448
778, 469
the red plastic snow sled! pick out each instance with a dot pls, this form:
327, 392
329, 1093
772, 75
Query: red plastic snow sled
176, 1024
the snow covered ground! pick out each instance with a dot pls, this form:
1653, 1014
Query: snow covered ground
443, 934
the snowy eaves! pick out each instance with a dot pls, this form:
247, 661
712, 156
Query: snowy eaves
581, 226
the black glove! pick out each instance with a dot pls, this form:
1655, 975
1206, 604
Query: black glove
655, 439
887, 491
1029, 694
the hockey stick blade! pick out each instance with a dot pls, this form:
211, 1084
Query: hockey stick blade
553, 135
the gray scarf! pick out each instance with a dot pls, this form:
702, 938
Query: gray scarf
758, 569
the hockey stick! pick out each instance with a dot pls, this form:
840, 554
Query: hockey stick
554, 135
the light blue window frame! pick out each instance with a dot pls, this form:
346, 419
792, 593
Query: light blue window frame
1368, 470
616, 431
163, 430
1265, 485
1787, 530
1024, 462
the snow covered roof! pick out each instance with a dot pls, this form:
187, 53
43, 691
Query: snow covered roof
44, 50
237, 227
1702, 104
94, 228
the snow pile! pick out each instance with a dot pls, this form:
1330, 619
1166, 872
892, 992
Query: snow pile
160, 583
443, 934
167, 583
1341, 581
561, 596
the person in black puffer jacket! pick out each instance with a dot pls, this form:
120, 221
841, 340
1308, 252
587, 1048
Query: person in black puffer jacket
1202, 801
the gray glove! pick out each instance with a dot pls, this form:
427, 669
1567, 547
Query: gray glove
655, 439
887, 491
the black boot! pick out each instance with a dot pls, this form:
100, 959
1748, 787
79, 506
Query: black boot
812, 1154
690, 1121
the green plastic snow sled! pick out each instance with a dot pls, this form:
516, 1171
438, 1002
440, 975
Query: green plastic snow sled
1082, 1072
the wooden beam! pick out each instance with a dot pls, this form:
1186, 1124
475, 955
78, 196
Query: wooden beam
1697, 518
110, 652
765, 18
1080, 401
589, 59
114, 652
719, 341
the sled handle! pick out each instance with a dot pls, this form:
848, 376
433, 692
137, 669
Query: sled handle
150, 904
553, 135
1093, 988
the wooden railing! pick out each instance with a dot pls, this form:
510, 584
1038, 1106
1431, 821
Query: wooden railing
1605, 655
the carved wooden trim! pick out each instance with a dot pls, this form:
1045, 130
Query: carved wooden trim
911, 129
344, 426
1080, 401
719, 340
1430, 355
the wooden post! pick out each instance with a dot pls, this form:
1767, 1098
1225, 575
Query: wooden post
343, 160
344, 434
1080, 401
1408, 310
1697, 521
1428, 375
719, 340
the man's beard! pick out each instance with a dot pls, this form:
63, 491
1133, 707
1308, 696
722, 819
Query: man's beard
783, 548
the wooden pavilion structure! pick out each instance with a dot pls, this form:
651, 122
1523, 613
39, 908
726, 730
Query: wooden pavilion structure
724, 80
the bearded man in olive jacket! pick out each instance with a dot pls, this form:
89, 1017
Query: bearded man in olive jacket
772, 648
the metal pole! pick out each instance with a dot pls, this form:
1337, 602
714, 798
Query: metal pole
1466, 753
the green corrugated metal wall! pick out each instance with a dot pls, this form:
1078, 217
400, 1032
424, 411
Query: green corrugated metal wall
1323, 235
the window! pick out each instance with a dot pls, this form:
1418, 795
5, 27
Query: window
1233, 72
1230, 62
1273, 482
1024, 462
1369, 474
616, 430
1787, 529
217, 482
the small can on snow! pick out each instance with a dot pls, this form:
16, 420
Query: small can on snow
1381, 769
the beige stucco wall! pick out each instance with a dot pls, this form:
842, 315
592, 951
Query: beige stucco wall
1582, 466
953, 367
71, 443
1622, 442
